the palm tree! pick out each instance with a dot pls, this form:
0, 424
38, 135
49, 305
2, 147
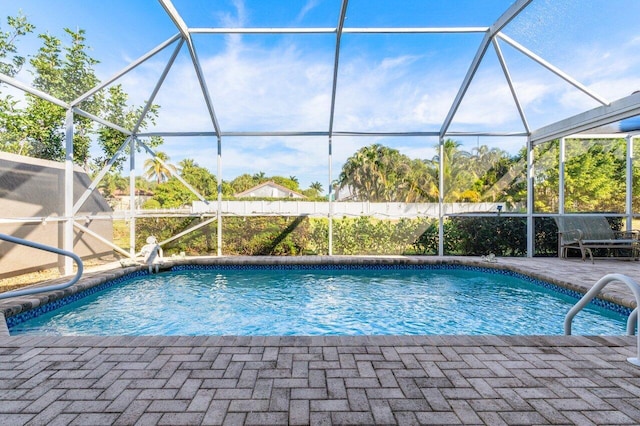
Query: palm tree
421, 184
259, 177
486, 158
458, 177
357, 173
316, 186
187, 164
242, 183
111, 183
377, 173
158, 168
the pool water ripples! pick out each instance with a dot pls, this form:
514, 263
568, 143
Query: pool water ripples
322, 302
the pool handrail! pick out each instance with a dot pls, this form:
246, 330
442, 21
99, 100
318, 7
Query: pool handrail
631, 322
34, 290
593, 292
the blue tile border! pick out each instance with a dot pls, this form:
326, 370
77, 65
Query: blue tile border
15, 320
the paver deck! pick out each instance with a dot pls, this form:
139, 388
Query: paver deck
327, 380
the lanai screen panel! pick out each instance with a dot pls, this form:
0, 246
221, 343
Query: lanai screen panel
264, 69
269, 83
595, 172
386, 194
590, 41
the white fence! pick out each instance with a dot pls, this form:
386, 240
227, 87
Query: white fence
321, 209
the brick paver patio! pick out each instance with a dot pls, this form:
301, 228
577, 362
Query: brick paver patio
318, 380
326, 380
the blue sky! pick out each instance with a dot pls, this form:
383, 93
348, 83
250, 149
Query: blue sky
386, 82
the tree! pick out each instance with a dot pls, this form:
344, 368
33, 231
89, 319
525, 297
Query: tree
362, 173
485, 158
595, 175
117, 111
314, 190
500, 177
199, 178
65, 71
378, 173
172, 194
421, 185
64, 77
546, 178
12, 128
317, 186
286, 182
10, 61
12, 138
142, 184
458, 175
260, 177
243, 182
158, 168
504, 181
111, 183
187, 163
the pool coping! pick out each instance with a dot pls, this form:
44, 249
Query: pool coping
16, 306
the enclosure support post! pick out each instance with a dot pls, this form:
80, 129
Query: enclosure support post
219, 214
68, 193
132, 197
530, 199
629, 190
561, 164
334, 88
331, 195
441, 198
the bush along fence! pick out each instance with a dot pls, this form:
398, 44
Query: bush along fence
294, 236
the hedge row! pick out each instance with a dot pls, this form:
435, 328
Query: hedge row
292, 236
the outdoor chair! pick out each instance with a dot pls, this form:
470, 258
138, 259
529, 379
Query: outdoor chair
586, 233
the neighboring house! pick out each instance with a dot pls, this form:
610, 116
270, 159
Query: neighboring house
34, 188
269, 189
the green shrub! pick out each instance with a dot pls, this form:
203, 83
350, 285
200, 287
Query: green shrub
291, 236
476, 236
199, 242
151, 204
367, 235
273, 235
546, 237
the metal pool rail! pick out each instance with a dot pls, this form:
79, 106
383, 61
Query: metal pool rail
51, 249
597, 287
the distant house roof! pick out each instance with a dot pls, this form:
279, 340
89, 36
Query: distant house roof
269, 189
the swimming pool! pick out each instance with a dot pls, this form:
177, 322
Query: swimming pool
296, 300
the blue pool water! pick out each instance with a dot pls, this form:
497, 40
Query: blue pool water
322, 302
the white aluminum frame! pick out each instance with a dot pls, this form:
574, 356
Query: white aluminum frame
607, 113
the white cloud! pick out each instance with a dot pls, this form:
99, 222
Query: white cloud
397, 62
309, 6
284, 88
283, 84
